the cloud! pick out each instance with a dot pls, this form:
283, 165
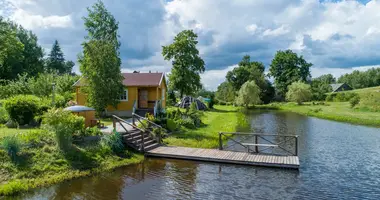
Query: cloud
336, 36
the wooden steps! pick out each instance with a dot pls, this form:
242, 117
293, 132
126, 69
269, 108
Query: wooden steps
221, 156
133, 139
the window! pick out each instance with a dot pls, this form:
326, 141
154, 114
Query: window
163, 94
124, 96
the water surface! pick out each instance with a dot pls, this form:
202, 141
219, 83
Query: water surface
338, 161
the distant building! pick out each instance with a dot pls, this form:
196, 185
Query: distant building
340, 87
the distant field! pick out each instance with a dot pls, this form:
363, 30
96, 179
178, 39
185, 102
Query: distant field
366, 90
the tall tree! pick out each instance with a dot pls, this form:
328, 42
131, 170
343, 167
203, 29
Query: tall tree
249, 93
225, 92
287, 67
100, 62
187, 64
299, 92
56, 59
248, 70
19, 51
321, 85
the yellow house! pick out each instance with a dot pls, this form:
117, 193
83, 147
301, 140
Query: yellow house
141, 93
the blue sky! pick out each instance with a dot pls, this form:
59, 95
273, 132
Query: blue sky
336, 36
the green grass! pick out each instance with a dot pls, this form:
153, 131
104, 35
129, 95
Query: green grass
41, 163
366, 90
337, 111
220, 119
4, 131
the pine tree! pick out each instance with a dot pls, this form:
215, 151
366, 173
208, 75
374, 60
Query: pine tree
56, 59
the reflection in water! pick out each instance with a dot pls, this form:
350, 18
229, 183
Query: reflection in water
338, 161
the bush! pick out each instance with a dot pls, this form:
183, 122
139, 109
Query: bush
371, 101
36, 138
187, 122
92, 131
23, 108
212, 101
4, 117
113, 141
330, 97
299, 92
354, 101
64, 124
171, 124
11, 145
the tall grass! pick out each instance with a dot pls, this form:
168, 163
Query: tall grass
11, 145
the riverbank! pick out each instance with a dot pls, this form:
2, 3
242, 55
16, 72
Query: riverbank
337, 111
220, 119
40, 163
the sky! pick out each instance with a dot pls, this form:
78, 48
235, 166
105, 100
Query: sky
336, 36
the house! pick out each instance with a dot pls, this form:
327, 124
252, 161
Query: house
340, 87
141, 94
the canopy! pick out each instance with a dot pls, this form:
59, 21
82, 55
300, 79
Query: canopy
79, 109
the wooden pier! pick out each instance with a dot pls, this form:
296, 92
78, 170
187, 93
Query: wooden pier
222, 156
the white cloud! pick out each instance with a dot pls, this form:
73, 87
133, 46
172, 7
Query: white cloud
31, 21
276, 32
211, 79
251, 28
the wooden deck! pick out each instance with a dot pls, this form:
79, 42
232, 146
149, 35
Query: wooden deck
222, 156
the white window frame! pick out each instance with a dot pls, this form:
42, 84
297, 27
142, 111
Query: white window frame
124, 94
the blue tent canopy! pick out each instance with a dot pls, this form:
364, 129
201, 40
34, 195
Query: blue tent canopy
79, 109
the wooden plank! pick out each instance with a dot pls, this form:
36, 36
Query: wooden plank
225, 156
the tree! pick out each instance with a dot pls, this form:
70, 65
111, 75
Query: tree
287, 67
19, 53
187, 64
100, 62
249, 93
56, 61
299, 92
358, 79
321, 85
248, 71
225, 92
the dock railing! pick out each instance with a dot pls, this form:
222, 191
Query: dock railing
261, 143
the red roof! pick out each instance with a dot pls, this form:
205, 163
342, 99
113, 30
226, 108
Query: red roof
142, 79
136, 79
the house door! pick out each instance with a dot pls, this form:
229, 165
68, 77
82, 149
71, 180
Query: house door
143, 98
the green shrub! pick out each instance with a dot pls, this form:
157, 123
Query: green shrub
371, 101
64, 124
171, 124
92, 131
35, 138
23, 108
113, 141
330, 97
187, 122
11, 145
354, 101
4, 117
212, 101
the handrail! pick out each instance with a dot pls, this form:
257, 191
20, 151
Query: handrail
138, 116
263, 137
122, 120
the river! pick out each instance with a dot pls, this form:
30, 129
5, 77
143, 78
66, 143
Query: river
338, 161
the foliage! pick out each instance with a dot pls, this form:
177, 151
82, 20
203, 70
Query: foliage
4, 117
225, 92
113, 141
286, 68
320, 86
354, 101
212, 101
358, 79
15, 87
11, 145
21, 54
251, 71
92, 131
56, 61
299, 92
171, 125
371, 101
187, 64
187, 122
171, 100
64, 124
23, 108
249, 94
100, 62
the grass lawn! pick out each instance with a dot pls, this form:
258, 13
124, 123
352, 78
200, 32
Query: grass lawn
338, 111
4, 131
220, 119
40, 163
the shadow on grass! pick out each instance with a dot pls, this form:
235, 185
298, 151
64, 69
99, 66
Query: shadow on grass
22, 160
222, 111
80, 159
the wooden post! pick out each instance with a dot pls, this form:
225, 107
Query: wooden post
256, 142
114, 123
296, 147
220, 142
